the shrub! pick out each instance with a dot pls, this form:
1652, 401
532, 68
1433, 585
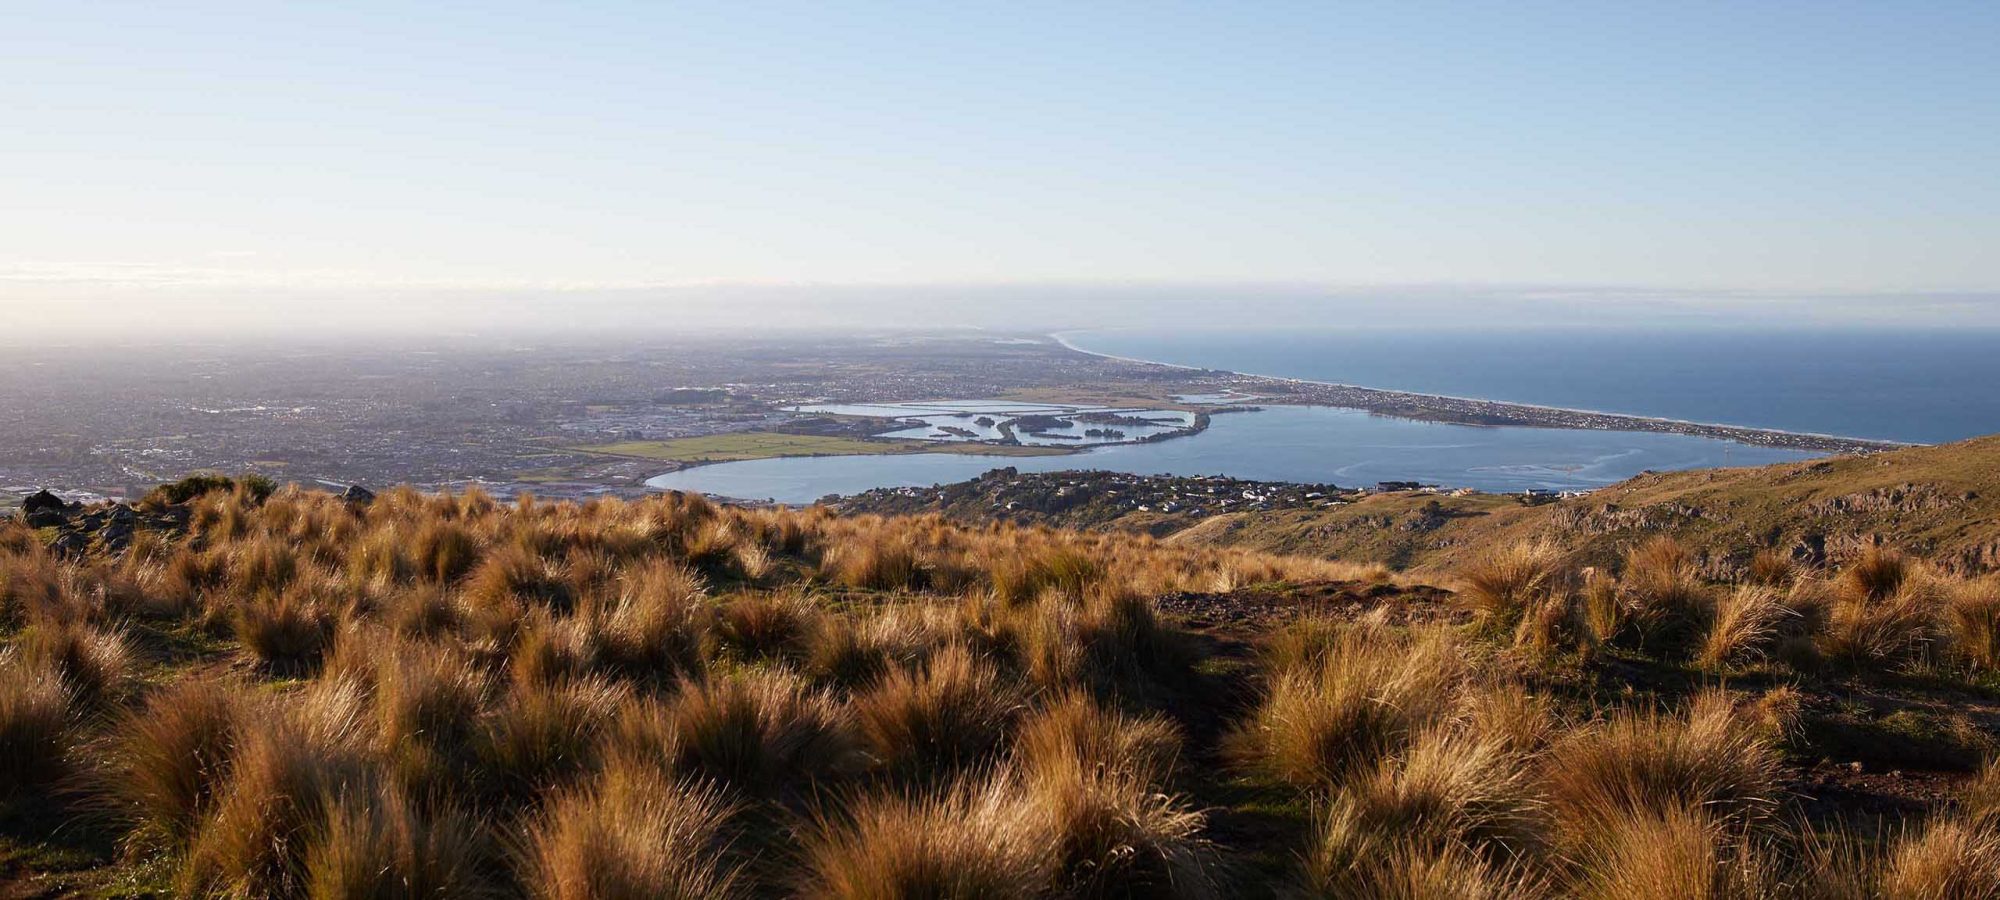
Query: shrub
930, 724
631, 833
199, 484
971, 841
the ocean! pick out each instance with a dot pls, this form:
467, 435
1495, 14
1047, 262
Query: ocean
1926, 387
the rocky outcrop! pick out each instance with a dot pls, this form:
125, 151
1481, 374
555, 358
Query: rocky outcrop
1902, 498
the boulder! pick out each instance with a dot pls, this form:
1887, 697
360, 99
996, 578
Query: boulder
358, 495
43, 500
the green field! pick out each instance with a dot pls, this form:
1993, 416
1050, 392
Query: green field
768, 444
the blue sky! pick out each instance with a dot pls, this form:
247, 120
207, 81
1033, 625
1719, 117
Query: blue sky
157, 150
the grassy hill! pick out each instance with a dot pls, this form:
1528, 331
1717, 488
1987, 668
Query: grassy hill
239, 692
1940, 502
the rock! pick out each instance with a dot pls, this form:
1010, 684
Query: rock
43, 518
358, 495
43, 500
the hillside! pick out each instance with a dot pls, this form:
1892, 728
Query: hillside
236, 689
1941, 502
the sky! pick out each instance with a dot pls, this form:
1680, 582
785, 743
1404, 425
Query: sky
266, 163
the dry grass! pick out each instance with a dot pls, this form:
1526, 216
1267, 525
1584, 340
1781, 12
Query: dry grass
1746, 624
633, 834
438, 695
1364, 698
1507, 581
928, 723
169, 759
972, 840
1646, 763
37, 727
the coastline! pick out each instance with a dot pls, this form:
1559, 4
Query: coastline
1479, 411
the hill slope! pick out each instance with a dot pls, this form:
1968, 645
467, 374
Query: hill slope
1942, 502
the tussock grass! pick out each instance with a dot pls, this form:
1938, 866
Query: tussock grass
1665, 605
37, 729
926, 723
971, 840
1950, 857
434, 695
97, 665
1746, 624
380, 844
1369, 694
169, 760
284, 775
760, 733
632, 834
1076, 729
1648, 763
1505, 582
1675, 853
1115, 835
